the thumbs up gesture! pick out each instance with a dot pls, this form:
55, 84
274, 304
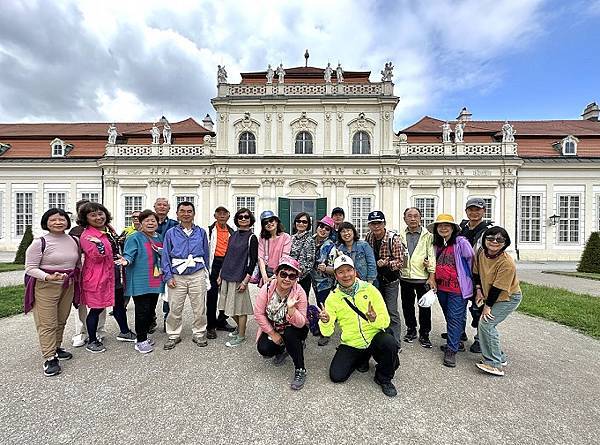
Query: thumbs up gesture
371, 314
323, 315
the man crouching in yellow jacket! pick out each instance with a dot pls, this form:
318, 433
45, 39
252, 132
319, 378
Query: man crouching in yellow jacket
361, 313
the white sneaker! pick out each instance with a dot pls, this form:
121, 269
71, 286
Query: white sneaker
79, 341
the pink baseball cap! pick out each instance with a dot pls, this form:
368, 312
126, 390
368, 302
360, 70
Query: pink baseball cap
328, 221
288, 261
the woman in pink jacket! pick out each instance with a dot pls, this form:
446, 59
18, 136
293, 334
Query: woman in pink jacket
280, 312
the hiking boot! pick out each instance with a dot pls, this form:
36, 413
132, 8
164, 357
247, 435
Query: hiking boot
299, 379
461, 347
363, 367
323, 341
211, 334
279, 358
387, 388
425, 342
128, 336
475, 347
143, 347
51, 367
463, 336
226, 327
200, 341
61, 354
234, 333
490, 369
235, 341
171, 343
450, 358
410, 336
95, 347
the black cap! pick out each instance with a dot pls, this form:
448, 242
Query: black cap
376, 216
475, 202
337, 210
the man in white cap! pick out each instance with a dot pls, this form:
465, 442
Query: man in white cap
361, 313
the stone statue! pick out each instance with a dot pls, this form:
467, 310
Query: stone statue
339, 73
446, 130
387, 74
270, 74
167, 133
280, 72
221, 74
155, 134
112, 134
459, 132
328, 73
508, 132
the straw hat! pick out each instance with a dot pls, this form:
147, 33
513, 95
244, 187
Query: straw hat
443, 218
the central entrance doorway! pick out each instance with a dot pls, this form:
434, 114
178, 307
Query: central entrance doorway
289, 208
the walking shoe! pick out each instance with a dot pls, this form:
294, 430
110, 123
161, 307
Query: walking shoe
387, 388
225, 327
234, 333
51, 367
299, 379
410, 336
461, 347
323, 341
150, 341
363, 367
95, 347
490, 369
211, 334
128, 336
450, 358
200, 341
463, 336
425, 342
475, 347
235, 341
61, 354
143, 347
171, 343
79, 341
101, 334
279, 358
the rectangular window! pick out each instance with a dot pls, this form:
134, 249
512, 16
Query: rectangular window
248, 202
427, 208
23, 211
91, 196
360, 211
569, 212
489, 209
184, 198
57, 200
1, 214
132, 204
531, 218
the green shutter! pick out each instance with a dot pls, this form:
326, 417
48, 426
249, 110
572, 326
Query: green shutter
321, 208
284, 213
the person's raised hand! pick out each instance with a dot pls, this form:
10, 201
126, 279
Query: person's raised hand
292, 300
371, 314
323, 315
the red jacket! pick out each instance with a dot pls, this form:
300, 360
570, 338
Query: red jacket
98, 271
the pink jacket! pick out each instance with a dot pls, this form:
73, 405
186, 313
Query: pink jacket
260, 308
98, 271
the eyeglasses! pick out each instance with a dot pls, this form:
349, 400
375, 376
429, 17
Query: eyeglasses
496, 239
269, 221
244, 217
323, 226
289, 275
301, 221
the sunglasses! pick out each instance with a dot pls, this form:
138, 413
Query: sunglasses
244, 217
323, 226
289, 275
269, 221
496, 239
301, 221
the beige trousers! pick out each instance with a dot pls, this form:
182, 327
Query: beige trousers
194, 286
51, 310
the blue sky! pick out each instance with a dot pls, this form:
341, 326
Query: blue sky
117, 60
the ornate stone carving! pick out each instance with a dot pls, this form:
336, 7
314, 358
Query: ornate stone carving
279, 182
327, 73
268, 117
135, 172
222, 170
386, 170
165, 181
339, 170
245, 171
361, 123
167, 134
508, 132
279, 117
339, 73
328, 116
459, 131
360, 171
153, 181
223, 117
387, 72
446, 131
446, 182
327, 182
403, 171
387, 181
270, 75
185, 171
278, 170
222, 181
403, 182
112, 134
206, 171
507, 182
482, 172
340, 115
267, 181
340, 182
424, 172
246, 124
112, 171
304, 123
155, 132
111, 181
303, 171
221, 74
460, 182
303, 188
387, 115
403, 138
205, 182
280, 73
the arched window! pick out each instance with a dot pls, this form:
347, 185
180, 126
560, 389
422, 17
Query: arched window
361, 144
570, 147
247, 144
304, 143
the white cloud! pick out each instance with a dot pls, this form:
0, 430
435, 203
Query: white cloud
123, 106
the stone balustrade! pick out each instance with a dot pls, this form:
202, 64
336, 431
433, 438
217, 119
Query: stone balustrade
307, 89
157, 150
456, 149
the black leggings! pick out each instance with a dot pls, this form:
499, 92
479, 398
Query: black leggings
145, 312
292, 342
91, 322
119, 311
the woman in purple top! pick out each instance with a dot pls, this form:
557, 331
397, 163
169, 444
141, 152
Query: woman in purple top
272, 245
52, 272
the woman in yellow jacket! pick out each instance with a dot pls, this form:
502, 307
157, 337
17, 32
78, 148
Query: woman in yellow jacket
361, 313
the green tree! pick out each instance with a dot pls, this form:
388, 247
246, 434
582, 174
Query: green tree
25, 242
590, 259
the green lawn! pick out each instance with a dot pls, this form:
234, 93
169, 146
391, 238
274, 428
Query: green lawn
579, 311
588, 275
11, 300
7, 267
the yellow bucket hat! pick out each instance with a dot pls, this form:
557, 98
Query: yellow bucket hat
443, 218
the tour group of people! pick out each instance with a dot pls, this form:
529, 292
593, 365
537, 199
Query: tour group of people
359, 284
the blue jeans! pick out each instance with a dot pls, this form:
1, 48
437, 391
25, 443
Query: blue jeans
454, 307
489, 338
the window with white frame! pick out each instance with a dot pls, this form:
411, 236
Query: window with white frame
569, 223
530, 220
426, 206
23, 211
569, 146
360, 208
597, 211
133, 203
361, 143
58, 150
57, 200
248, 202
489, 208
304, 143
1, 214
184, 198
247, 143
91, 196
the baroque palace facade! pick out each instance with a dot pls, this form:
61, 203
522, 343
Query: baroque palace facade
310, 139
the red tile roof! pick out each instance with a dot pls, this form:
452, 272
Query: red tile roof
305, 74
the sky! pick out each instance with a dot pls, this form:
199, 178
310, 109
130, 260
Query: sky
130, 61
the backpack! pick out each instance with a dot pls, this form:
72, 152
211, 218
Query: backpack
389, 275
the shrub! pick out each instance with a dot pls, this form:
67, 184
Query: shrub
25, 242
590, 259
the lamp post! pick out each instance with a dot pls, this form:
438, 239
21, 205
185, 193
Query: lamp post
554, 219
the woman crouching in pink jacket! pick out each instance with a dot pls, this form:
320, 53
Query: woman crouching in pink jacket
280, 312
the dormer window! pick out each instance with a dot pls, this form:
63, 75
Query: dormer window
569, 146
60, 148
3, 148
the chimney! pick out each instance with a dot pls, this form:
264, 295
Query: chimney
591, 112
464, 115
208, 123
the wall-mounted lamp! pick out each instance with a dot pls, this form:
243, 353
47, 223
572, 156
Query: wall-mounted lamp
554, 219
